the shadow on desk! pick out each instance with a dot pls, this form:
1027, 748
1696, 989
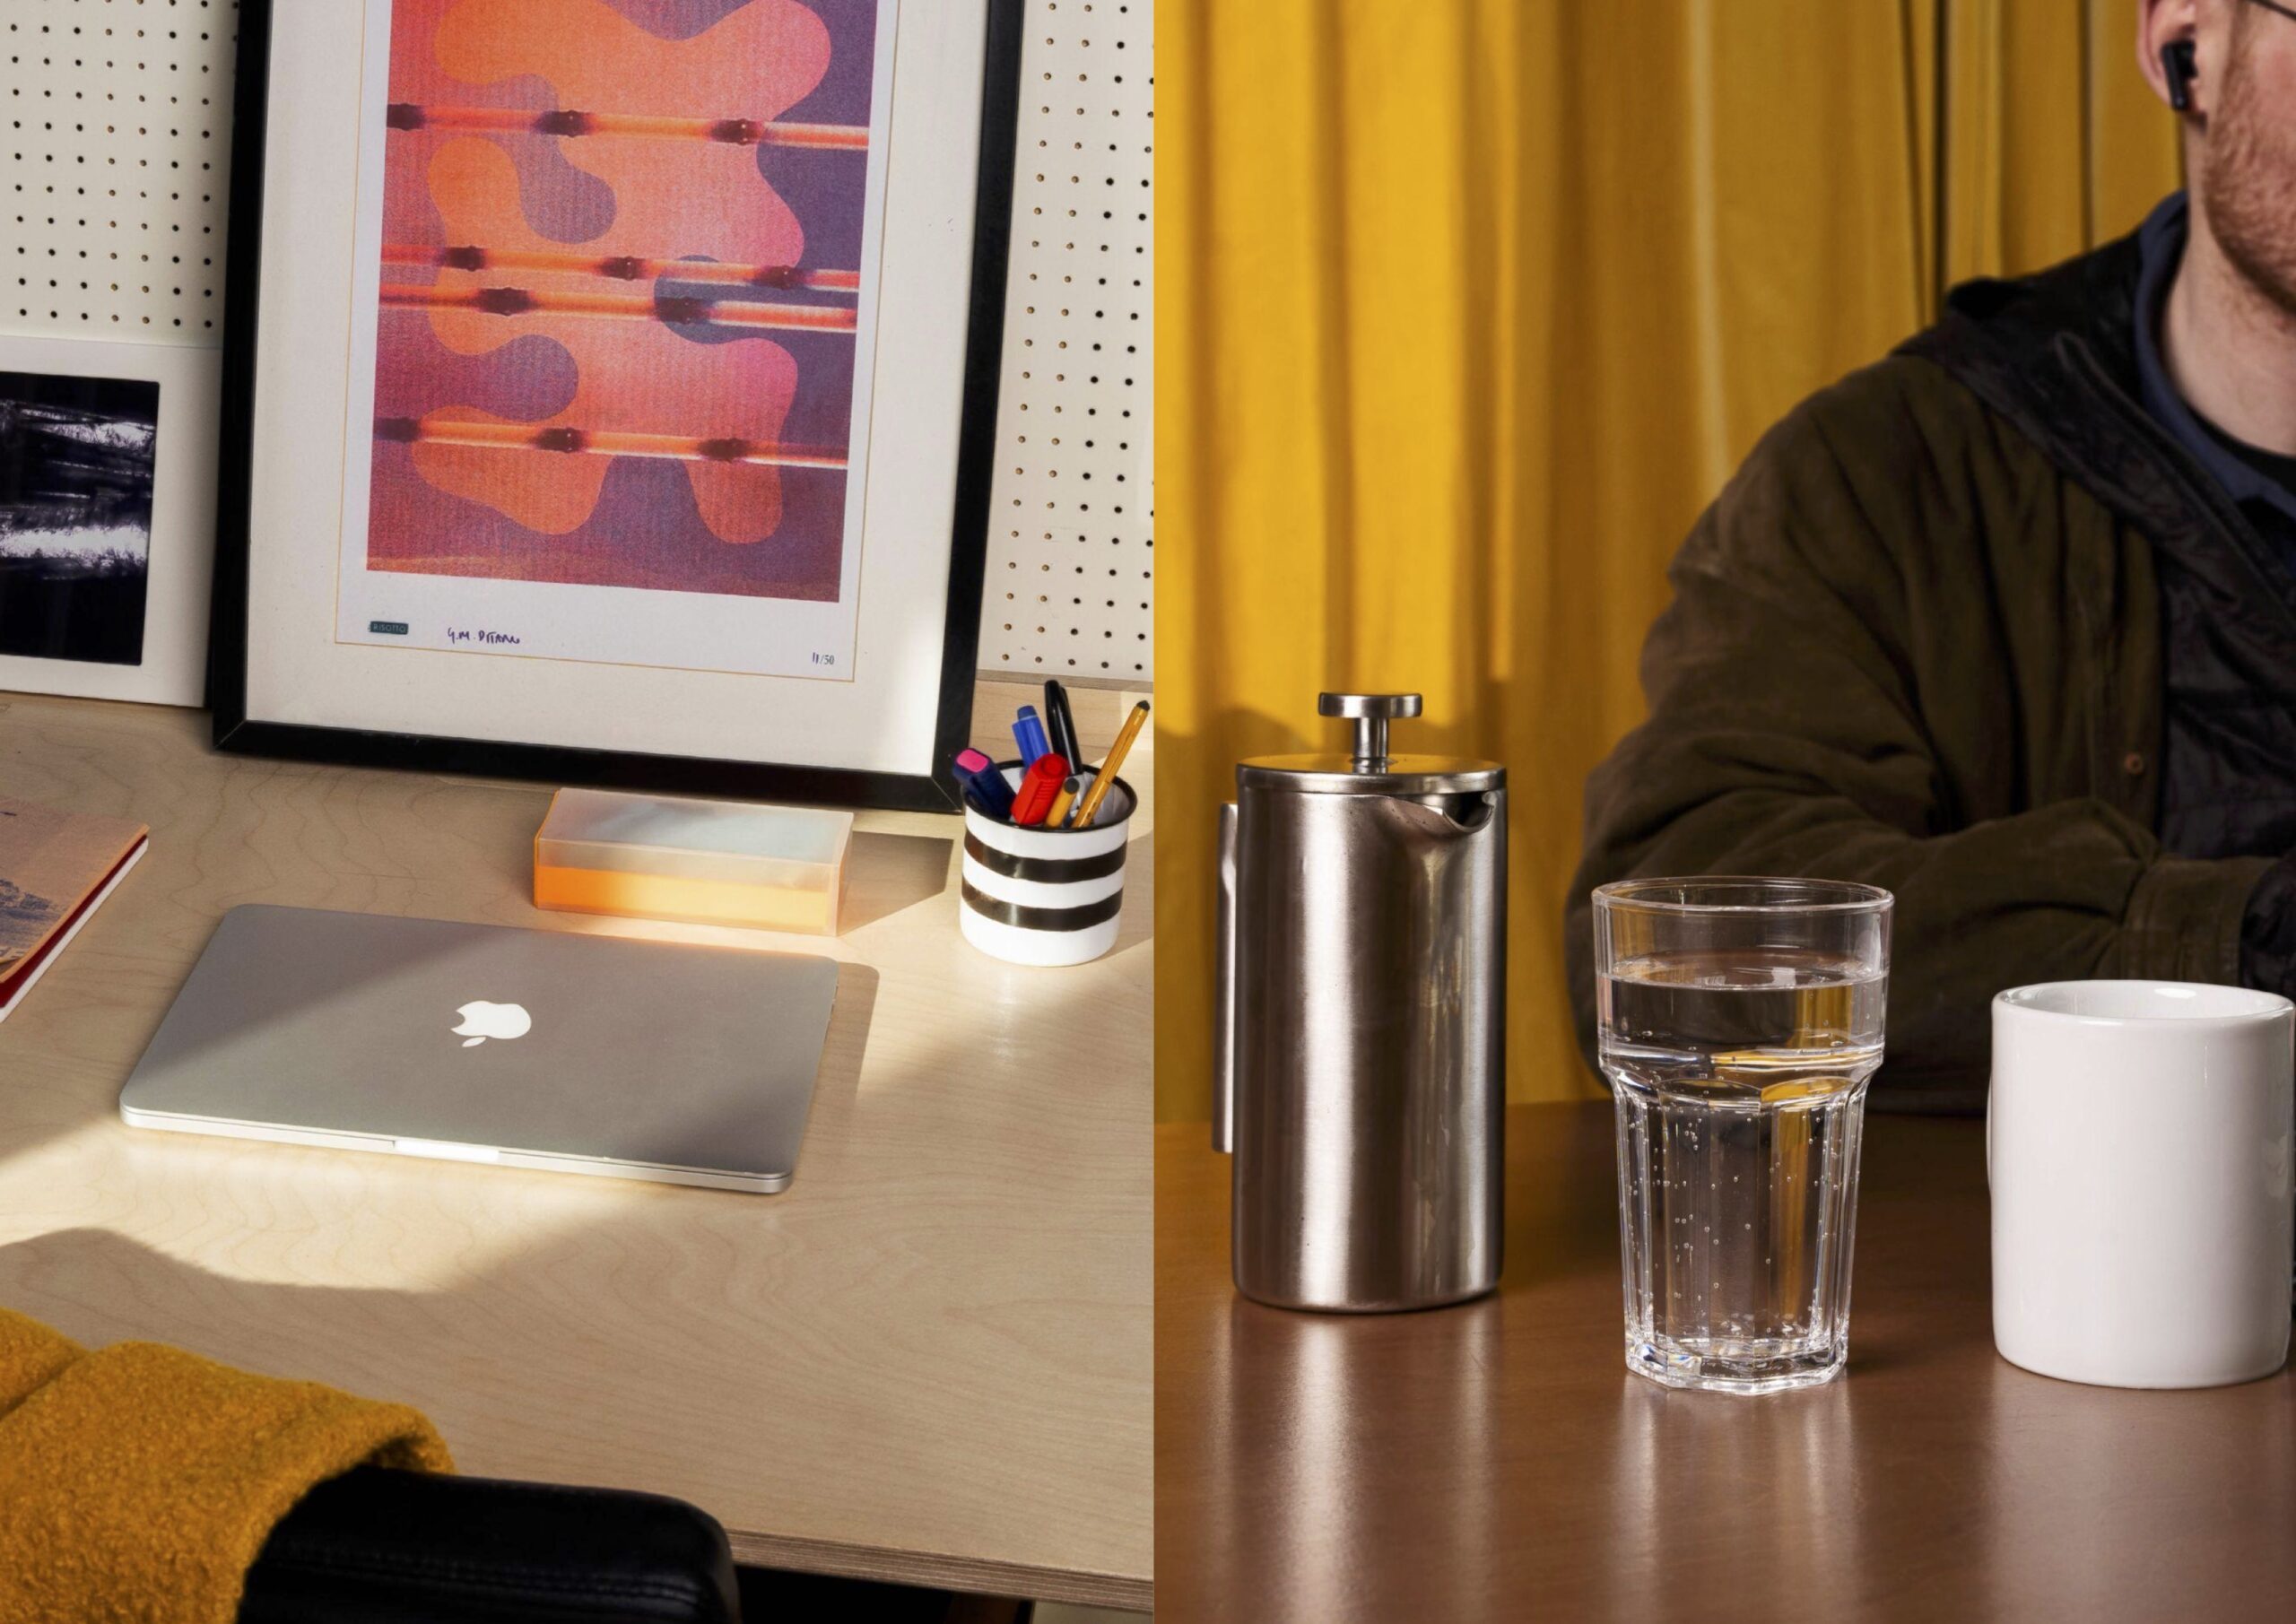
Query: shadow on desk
98, 1286
758, 1357
892, 872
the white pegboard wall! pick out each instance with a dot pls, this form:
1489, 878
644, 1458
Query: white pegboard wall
1071, 558
117, 154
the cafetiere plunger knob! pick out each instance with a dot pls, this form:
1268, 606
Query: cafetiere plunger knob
1371, 712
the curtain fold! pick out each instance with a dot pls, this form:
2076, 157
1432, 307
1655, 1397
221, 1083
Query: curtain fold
1467, 307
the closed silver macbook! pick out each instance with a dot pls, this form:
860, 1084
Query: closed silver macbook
576, 1053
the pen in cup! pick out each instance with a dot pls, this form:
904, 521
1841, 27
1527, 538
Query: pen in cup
1088, 807
1041, 786
1028, 733
978, 777
1060, 723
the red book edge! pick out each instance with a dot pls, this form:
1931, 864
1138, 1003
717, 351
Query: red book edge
18, 981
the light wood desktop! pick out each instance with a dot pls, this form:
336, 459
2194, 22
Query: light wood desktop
926, 1361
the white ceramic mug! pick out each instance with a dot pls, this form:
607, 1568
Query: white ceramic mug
2138, 1141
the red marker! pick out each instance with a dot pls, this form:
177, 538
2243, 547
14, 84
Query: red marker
1039, 788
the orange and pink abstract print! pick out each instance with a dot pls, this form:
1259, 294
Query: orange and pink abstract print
621, 279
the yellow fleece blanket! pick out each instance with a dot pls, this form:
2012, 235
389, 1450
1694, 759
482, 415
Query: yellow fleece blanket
138, 1483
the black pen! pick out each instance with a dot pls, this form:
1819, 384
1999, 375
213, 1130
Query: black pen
1060, 723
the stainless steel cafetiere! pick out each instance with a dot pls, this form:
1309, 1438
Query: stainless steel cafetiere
1360, 1072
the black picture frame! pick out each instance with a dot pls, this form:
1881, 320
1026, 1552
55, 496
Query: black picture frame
929, 790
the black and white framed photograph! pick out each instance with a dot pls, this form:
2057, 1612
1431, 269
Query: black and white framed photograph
106, 514
75, 514
613, 387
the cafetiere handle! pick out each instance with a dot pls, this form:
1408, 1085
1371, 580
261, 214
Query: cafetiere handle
1371, 713
1223, 996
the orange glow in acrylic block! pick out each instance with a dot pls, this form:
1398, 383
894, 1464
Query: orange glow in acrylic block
776, 868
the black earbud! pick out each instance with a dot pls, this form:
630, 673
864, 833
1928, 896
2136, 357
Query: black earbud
2177, 62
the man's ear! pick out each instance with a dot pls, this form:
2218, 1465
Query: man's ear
2167, 51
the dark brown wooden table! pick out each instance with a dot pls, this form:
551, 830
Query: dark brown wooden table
1497, 1461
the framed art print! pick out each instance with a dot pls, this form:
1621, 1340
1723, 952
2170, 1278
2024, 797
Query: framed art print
610, 386
77, 458
107, 515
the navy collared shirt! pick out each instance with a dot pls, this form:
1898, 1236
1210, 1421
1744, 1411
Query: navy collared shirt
2269, 505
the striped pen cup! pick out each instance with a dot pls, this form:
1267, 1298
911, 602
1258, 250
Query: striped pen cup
1045, 896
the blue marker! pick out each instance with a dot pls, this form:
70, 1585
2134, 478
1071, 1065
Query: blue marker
978, 777
1029, 733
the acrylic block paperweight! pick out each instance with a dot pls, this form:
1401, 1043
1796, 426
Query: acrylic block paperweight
776, 868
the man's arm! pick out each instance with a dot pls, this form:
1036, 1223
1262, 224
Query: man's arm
1786, 736
2268, 933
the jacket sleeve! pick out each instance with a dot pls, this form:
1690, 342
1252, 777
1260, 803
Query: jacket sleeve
1787, 737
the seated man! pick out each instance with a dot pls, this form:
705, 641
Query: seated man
2006, 622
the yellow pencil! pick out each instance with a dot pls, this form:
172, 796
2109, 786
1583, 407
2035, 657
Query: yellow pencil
1059, 813
1088, 807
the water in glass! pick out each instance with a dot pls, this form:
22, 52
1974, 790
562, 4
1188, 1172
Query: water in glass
1741, 1078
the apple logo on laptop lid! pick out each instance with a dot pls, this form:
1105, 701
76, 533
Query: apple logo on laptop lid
483, 1021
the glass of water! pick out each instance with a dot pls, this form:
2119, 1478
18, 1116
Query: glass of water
1740, 1021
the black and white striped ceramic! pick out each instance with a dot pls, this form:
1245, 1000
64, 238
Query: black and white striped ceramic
1045, 896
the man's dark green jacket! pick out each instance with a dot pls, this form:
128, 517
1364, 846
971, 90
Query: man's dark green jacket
1917, 642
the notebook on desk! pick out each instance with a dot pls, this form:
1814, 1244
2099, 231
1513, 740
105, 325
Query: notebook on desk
55, 870
543, 1049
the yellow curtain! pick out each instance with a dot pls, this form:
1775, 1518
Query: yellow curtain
1467, 307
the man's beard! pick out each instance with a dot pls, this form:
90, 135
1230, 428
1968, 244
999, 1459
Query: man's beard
2249, 187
